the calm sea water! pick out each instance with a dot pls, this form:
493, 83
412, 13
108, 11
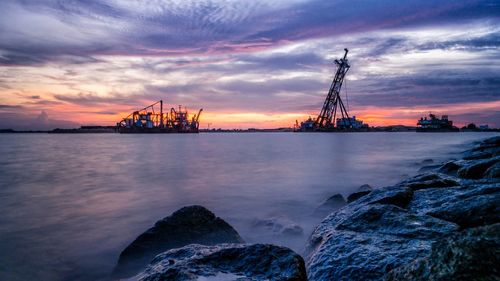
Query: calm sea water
71, 203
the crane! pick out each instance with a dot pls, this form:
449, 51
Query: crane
333, 101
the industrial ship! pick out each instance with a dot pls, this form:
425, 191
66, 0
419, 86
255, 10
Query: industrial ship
434, 124
152, 119
334, 115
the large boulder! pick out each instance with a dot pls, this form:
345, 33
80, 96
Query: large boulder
365, 241
469, 255
389, 233
189, 225
256, 262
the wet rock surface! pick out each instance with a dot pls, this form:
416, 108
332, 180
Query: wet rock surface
189, 225
476, 169
429, 227
493, 172
473, 254
226, 262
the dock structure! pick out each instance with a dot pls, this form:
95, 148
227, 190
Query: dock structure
152, 119
334, 115
434, 124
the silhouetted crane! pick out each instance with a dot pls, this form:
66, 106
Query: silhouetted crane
328, 114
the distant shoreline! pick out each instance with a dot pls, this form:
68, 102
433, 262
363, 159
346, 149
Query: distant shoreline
111, 130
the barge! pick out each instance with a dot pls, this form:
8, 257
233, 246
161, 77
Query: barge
152, 120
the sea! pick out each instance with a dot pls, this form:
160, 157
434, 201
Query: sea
70, 203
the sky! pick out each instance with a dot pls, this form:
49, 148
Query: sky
261, 63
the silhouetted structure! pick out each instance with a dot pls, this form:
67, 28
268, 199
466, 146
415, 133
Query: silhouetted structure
150, 120
333, 106
434, 124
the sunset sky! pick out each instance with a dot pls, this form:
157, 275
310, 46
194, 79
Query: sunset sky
260, 63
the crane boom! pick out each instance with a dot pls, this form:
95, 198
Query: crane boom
333, 101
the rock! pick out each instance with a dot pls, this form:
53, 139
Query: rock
398, 196
422, 177
469, 255
427, 161
331, 204
430, 200
471, 212
476, 169
279, 225
428, 168
468, 206
362, 191
491, 145
390, 233
433, 183
394, 195
493, 172
364, 241
189, 225
493, 141
365, 187
429, 181
226, 262
477, 155
450, 167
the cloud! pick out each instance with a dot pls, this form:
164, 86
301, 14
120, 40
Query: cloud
100, 58
80, 31
22, 121
8, 106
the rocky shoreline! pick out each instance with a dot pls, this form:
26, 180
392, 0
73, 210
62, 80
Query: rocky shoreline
443, 224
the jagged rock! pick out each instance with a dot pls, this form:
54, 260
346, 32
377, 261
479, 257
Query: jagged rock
471, 212
331, 204
433, 183
428, 168
256, 262
398, 195
476, 169
364, 241
493, 172
362, 191
189, 225
493, 141
365, 187
429, 181
469, 255
430, 200
279, 225
391, 227
421, 178
393, 195
450, 167
477, 155
491, 145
